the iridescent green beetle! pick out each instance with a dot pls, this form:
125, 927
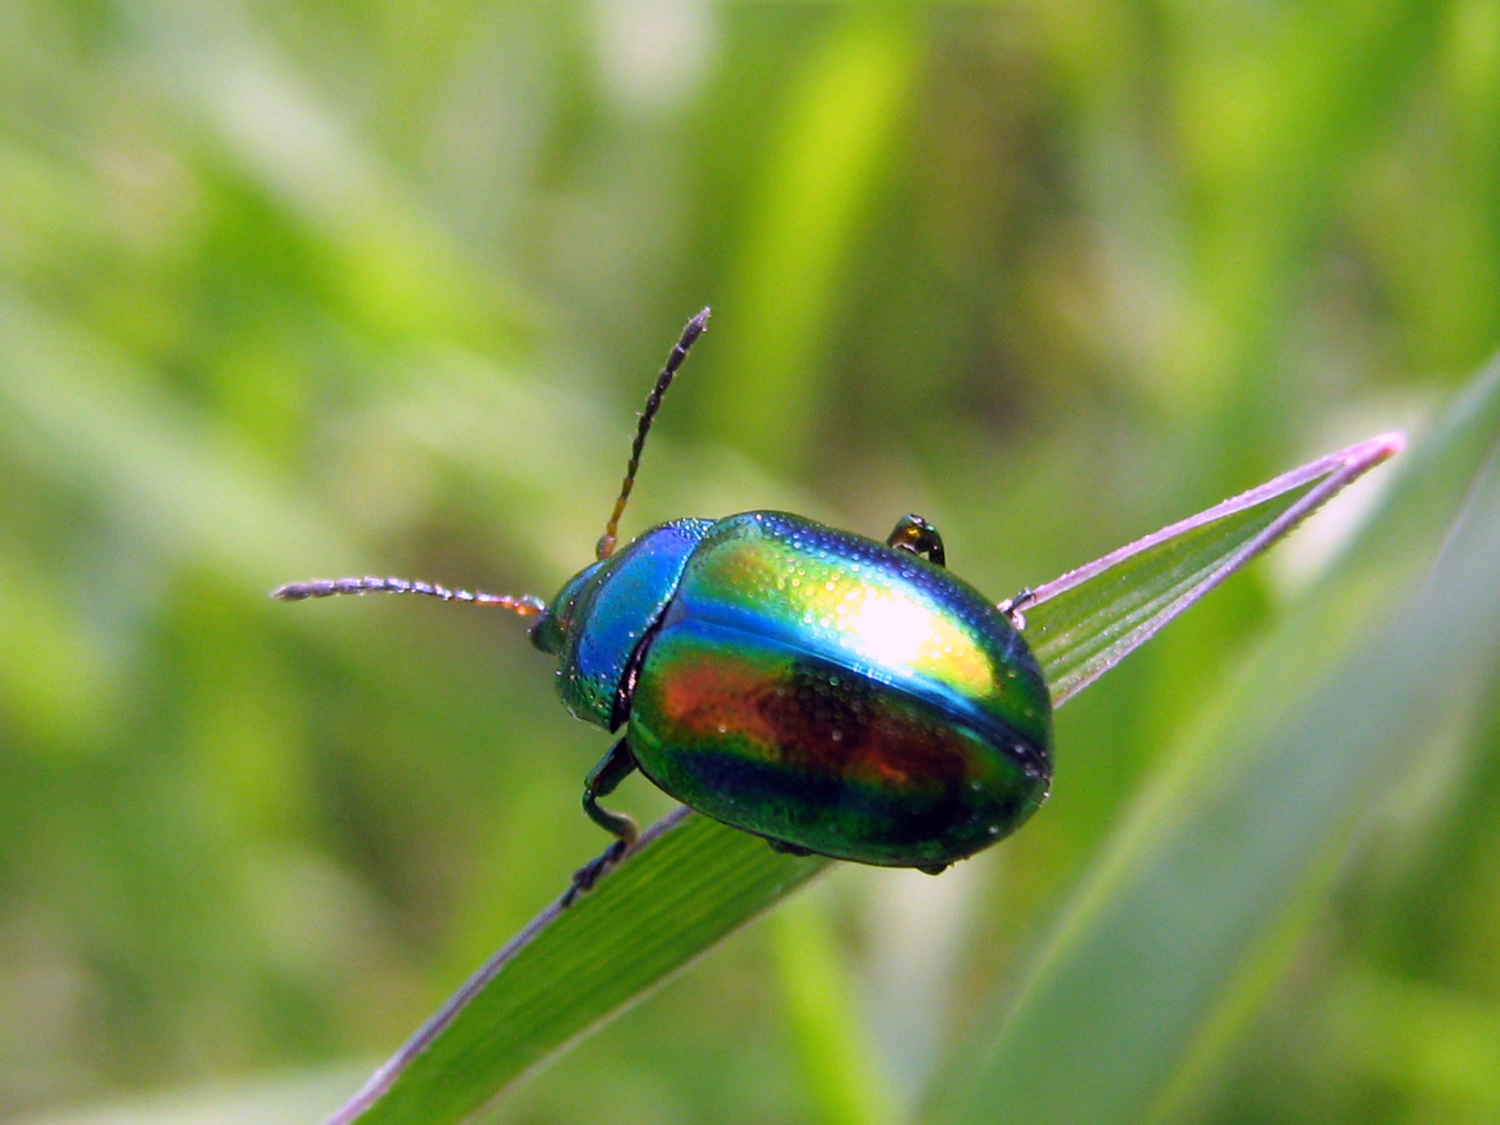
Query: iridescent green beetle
836, 695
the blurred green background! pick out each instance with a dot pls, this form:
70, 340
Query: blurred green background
296, 288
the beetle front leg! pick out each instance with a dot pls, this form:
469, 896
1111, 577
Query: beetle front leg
602, 780
914, 534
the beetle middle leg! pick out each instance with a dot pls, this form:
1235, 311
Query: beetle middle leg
913, 533
602, 780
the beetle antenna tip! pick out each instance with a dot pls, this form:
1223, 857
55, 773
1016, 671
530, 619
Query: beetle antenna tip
695, 328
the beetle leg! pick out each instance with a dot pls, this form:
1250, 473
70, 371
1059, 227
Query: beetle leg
602, 780
1011, 607
612, 769
788, 849
914, 534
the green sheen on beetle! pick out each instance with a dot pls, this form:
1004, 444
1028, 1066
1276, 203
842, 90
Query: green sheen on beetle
827, 691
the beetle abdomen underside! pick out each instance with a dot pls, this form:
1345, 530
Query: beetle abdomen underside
818, 688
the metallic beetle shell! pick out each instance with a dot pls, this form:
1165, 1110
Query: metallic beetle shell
822, 689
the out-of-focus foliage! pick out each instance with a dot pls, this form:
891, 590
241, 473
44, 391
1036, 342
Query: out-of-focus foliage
294, 289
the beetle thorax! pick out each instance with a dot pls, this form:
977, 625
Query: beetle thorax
604, 613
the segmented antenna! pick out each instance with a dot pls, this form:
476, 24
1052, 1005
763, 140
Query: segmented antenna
691, 333
527, 605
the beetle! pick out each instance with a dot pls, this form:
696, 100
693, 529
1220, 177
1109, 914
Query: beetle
834, 694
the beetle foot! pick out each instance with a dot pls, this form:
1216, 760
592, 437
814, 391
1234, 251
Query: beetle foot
1011, 607
788, 849
590, 873
934, 868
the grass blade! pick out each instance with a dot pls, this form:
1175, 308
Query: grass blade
1090, 619
691, 881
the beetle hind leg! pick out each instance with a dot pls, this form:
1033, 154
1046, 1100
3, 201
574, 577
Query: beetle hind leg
602, 780
789, 849
913, 533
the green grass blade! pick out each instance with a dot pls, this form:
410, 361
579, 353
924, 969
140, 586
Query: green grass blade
840, 122
1179, 928
845, 1081
1090, 619
691, 881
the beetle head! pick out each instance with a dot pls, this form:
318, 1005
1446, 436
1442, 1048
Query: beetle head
554, 625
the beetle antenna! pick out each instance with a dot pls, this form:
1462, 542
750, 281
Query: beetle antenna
691, 333
527, 605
